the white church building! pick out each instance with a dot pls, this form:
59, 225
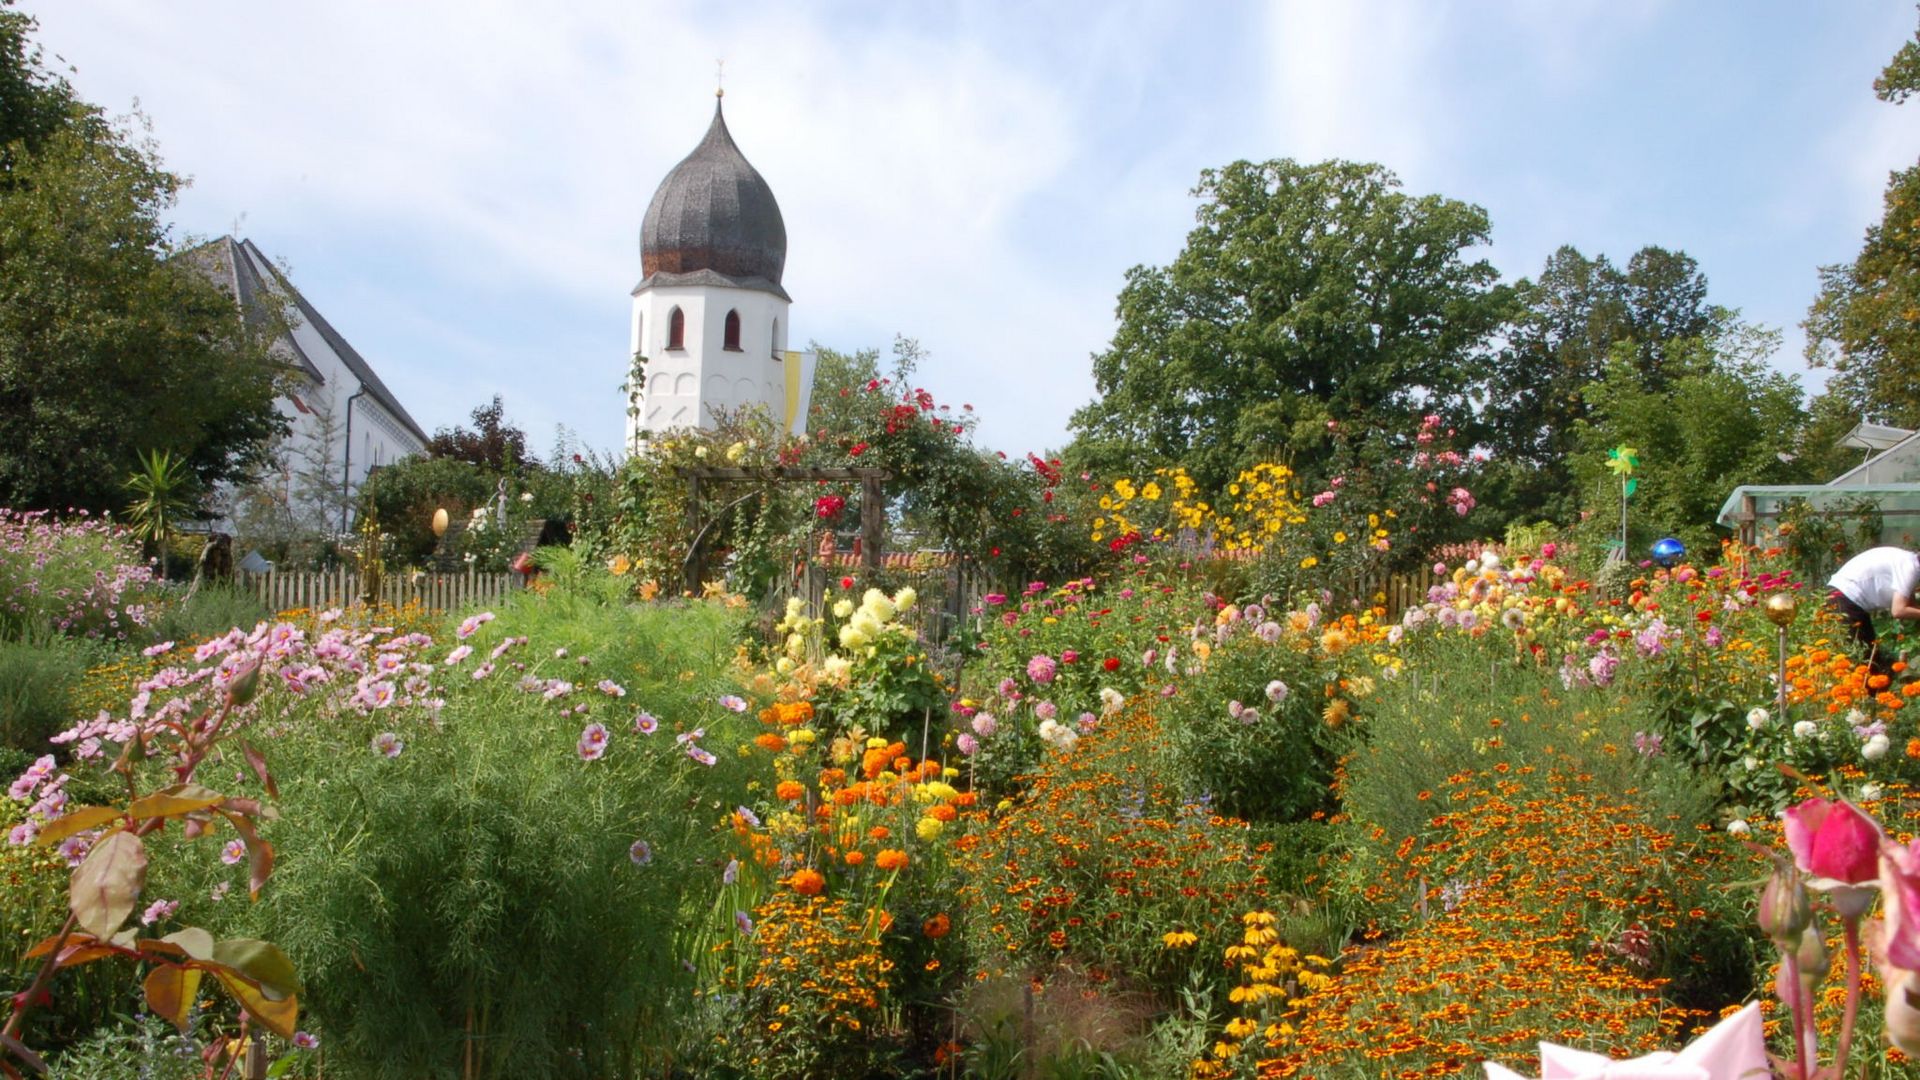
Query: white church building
710, 321
333, 386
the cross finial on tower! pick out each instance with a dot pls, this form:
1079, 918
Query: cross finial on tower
719, 78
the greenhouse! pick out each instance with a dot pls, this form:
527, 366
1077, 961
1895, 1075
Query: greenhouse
1755, 512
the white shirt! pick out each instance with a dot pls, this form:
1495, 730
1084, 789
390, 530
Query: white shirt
1875, 576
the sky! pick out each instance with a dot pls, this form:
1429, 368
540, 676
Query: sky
458, 186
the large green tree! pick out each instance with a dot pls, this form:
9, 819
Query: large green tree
1568, 324
109, 346
1307, 294
1722, 417
1865, 323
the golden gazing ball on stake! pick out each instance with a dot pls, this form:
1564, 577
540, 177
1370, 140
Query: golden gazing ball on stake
440, 522
1781, 608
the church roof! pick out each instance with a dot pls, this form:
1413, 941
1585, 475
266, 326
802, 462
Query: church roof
714, 216
240, 266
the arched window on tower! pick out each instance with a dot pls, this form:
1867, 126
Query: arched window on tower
774, 337
731, 342
676, 330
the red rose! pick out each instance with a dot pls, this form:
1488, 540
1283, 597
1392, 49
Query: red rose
846, 583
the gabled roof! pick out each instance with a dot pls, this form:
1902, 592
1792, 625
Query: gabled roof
354, 361
240, 265
1865, 436
232, 270
1905, 449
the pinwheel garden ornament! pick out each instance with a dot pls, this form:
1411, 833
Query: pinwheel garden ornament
1623, 460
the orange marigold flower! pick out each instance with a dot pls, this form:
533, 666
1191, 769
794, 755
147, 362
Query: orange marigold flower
770, 742
855, 858
790, 790
1913, 749
890, 860
879, 832
943, 812
807, 882
938, 926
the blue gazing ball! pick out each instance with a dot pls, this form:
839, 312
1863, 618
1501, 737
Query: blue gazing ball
1668, 551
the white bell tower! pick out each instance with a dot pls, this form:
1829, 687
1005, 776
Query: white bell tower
709, 314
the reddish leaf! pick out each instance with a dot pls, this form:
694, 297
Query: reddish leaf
77, 820
262, 962
45, 945
259, 762
107, 885
27, 1057
259, 853
170, 990
278, 1017
174, 801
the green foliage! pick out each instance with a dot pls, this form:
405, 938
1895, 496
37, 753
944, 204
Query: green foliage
1307, 293
159, 494
1862, 324
143, 1047
1566, 325
476, 891
1255, 758
1721, 419
208, 611
405, 494
38, 675
108, 344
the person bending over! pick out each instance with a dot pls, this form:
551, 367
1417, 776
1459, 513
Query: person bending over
1878, 579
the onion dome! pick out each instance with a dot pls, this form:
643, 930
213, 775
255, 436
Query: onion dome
714, 221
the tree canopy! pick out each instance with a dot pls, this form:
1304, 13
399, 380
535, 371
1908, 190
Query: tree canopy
1865, 323
493, 443
1307, 294
1568, 325
109, 345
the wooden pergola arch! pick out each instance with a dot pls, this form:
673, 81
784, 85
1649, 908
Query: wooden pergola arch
872, 505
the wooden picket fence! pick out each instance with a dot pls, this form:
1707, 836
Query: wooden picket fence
285, 590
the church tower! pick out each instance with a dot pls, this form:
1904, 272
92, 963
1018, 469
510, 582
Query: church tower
709, 315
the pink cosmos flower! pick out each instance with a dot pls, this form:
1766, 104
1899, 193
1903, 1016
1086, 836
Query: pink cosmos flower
459, 654
646, 723
156, 650
593, 742
700, 755
306, 1040
387, 744
611, 688
158, 910
641, 853
233, 851
483, 670
733, 703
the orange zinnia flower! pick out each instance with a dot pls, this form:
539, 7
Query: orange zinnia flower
938, 926
807, 882
790, 790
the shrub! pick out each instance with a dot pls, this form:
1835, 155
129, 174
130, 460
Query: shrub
37, 680
498, 895
81, 576
208, 612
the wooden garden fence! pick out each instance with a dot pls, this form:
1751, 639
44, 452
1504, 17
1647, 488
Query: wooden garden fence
283, 590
